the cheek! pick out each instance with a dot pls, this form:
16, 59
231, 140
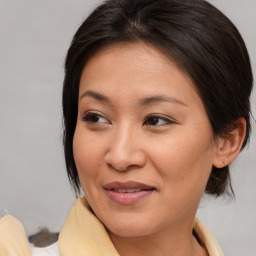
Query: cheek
186, 163
86, 156
184, 172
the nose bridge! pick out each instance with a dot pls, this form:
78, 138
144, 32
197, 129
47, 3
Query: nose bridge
125, 148
123, 136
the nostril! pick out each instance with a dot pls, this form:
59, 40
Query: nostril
122, 168
117, 167
125, 159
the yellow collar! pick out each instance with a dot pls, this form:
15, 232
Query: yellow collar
207, 238
83, 234
13, 240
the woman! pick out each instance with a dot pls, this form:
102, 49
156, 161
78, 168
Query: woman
156, 107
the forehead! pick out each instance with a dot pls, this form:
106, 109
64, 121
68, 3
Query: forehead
135, 68
135, 53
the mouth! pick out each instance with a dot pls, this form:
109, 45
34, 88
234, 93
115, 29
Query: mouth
128, 187
128, 192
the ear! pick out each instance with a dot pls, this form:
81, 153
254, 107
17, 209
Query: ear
229, 147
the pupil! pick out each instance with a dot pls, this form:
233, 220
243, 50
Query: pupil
94, 118
153, 120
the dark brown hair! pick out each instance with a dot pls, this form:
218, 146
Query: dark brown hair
193, 33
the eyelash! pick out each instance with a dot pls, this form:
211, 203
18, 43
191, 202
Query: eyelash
89, 115
155, 117
151, 120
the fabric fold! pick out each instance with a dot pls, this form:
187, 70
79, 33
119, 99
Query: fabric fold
83, 234
13, 240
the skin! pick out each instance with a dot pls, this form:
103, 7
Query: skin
116, 139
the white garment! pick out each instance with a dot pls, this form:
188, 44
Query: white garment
52, 250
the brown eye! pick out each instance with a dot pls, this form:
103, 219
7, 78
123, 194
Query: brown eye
91, 117
157, 120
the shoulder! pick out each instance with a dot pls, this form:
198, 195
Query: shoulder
52, 250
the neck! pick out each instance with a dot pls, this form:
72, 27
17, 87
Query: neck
176, 243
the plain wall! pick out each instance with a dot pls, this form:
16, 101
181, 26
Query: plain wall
34, 38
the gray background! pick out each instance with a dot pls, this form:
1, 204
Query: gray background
34, 38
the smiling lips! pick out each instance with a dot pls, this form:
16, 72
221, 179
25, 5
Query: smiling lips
128, 192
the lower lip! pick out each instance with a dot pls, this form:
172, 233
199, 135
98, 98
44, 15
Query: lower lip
128, 198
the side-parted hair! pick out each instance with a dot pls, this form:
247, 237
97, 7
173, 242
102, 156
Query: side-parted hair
197, 36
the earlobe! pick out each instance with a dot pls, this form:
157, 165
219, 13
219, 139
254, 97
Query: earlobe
228, 147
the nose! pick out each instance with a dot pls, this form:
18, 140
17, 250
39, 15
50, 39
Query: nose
125, 150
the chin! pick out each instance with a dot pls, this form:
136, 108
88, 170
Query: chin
131, 232
129, 228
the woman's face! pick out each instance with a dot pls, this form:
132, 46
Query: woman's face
143, 144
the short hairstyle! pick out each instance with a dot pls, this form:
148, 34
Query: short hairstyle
197, 36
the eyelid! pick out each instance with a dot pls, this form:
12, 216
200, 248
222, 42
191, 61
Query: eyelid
167, 119
96, 113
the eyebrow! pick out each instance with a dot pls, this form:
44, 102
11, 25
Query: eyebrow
160, 98
96, 95
142, 102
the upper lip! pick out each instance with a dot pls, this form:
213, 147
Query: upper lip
127, 185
